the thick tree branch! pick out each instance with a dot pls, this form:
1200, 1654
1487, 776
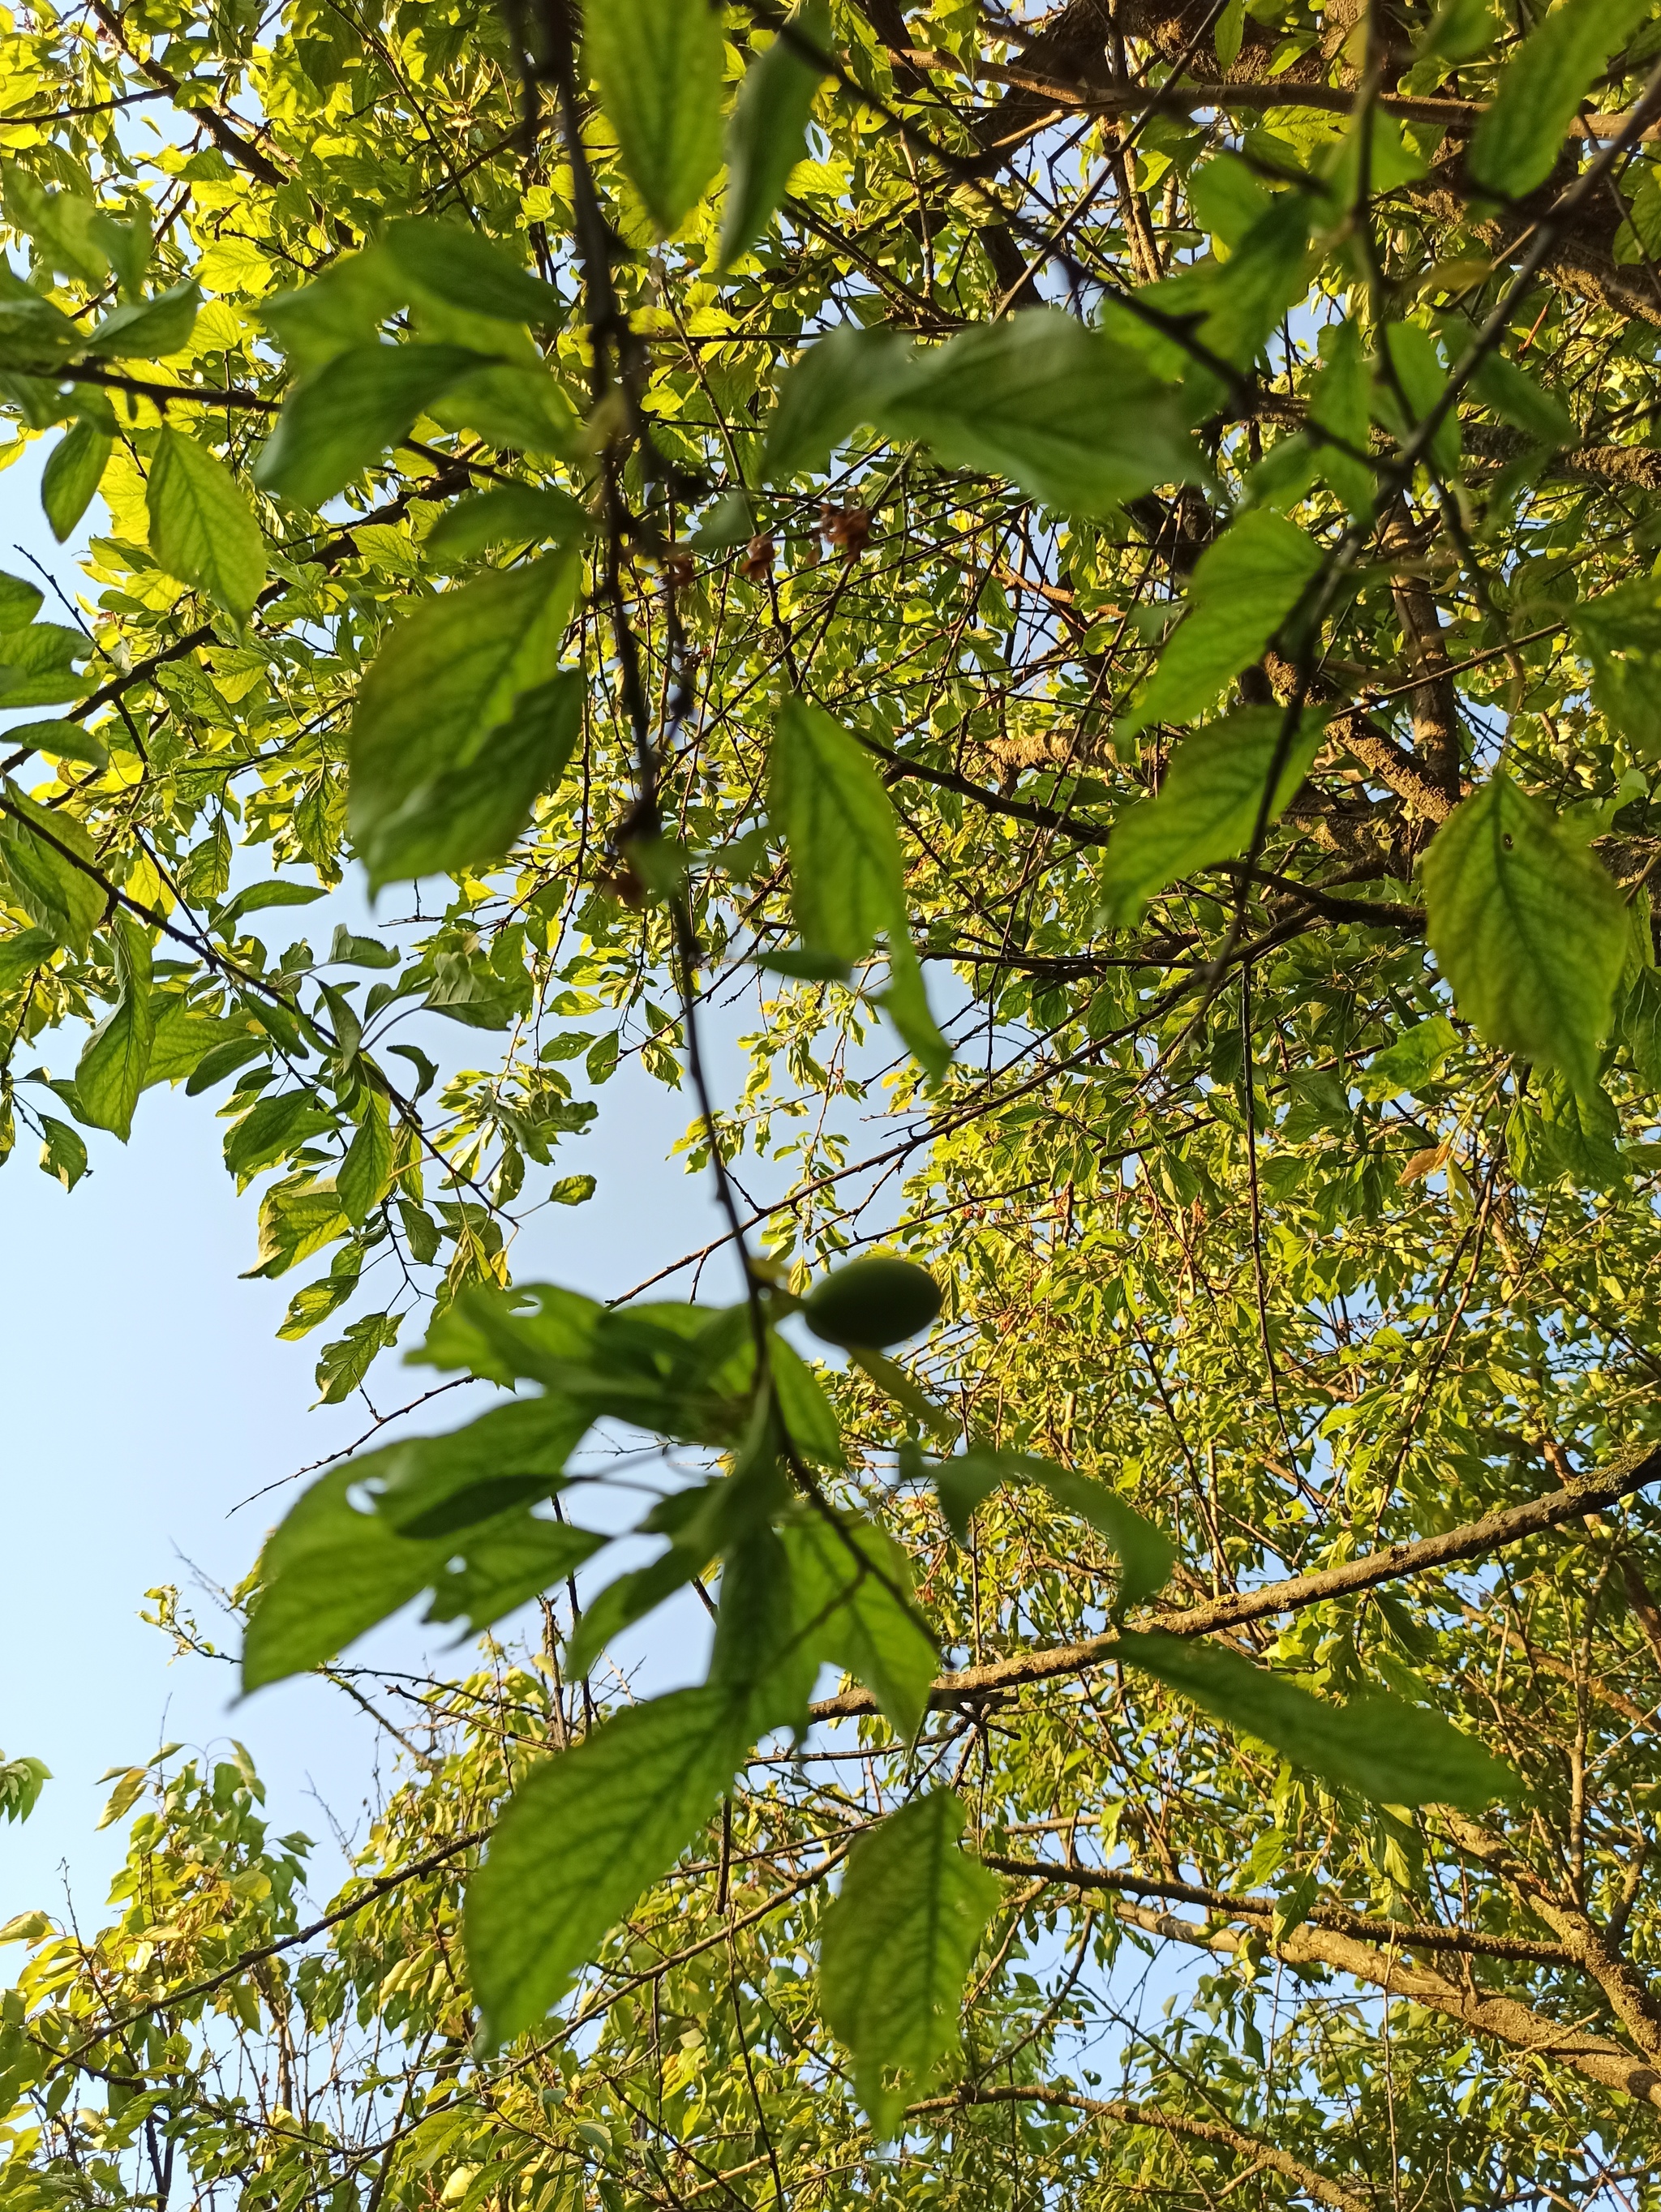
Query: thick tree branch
1473, 1539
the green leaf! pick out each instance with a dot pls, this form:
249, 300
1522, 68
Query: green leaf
1517, 139
37, 670
1411, 1062
516, 406
1515, 396
183, 1039
508, 515
465, 269
892, 1380
1244, 587
341, 419
149, 329
761, 1652
22, 954
59, 741
895, 1950
62, 1154
1246, 296
806, 1413
470, 814
223, 1060
297, 1218
506, 1565
344, 307
39, 847
1147, 1555
836, 384
1640, 1021
1074, 418
854, 1597
202, 529
659, 64
1620, 632
905, 1002
847, 879
75, 469
624, 1601
729, 522
1461, 29
452, 672
1393, 1752
254, 899
1580, 1134
1228, 34
34, 334
1416, 361
327, 1574
343, 1366
1209, 805
313, 1305
128, 246
1528, 928
768, 133
20, 601
510, 1458
274, 1127
366, 1172
113, 1067
582, 1837
1228, 197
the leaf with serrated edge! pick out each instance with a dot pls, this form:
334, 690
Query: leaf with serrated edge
659, 64
202, 529
1209, 805
1391, 1752
1527, 926
583, 1835
896, 1947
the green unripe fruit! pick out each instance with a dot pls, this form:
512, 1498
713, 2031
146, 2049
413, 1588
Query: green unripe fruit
871, 1303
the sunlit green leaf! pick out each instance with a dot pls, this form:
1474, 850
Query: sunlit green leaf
582, 1836
202, 529
896, 1949
1147, 1555
1244, 586
1516, 141
115, 1062
441, 695
659, 64
1216, 789
768, 133
343, 418
854, 1599
74, 470
1394, 1753
1527, 927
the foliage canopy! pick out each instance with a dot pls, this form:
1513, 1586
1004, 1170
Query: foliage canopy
1092, 568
